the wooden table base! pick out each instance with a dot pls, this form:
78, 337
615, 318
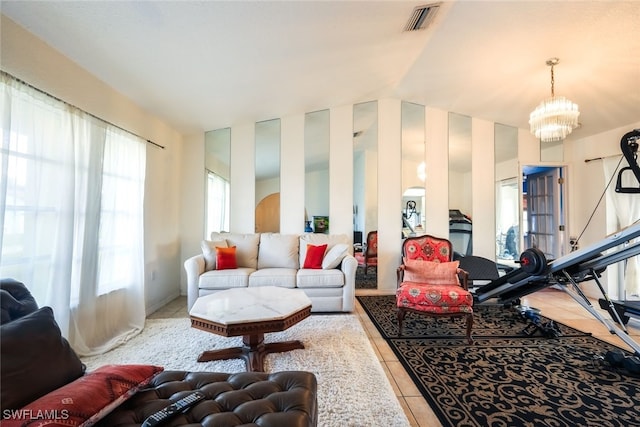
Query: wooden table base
253, 351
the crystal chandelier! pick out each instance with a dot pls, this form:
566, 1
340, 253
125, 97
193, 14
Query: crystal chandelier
555, 117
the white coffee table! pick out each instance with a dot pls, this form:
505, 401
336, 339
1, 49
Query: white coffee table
250, 312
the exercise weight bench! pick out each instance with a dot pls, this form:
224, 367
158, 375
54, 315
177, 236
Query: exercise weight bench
582, 265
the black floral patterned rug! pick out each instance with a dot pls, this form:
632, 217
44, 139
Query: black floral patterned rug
368, 281
488, 321
507, 377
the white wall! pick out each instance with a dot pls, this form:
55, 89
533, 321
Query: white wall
389, 192
437, 182
482, 188
292, 155
30, 59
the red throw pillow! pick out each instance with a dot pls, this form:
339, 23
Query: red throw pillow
85, 400
226, 258
433, 273
314, 256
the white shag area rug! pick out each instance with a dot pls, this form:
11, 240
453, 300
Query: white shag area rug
353, 390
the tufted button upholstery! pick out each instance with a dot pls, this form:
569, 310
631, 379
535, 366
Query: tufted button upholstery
244, 399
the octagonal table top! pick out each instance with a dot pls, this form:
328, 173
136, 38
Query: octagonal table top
247, 305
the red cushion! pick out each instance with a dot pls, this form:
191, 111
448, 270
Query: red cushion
437, 299
314, 256
87, 399
432, 273
226, 258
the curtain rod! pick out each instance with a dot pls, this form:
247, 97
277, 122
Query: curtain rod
86, 112
601, 158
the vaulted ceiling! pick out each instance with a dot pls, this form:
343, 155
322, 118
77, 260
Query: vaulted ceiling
202, 65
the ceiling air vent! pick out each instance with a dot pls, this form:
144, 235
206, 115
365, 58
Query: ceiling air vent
421, 17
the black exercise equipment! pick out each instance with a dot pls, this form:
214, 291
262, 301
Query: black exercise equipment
460, 232
619, 361
621, 311
615, 358
535, 325
583, 264
629, 147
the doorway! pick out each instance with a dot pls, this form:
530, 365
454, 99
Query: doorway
544, 209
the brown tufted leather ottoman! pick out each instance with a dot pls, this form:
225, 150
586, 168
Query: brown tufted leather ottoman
280, 399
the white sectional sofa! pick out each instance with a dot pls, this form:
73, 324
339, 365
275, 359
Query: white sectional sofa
273, 259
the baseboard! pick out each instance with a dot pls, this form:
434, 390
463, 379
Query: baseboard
157, 306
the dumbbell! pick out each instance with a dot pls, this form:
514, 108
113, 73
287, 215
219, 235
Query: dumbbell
632, 364
533, 261
617, 359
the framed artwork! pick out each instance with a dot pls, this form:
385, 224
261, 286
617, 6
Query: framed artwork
321, 224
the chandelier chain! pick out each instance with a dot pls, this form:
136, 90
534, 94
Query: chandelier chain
552, 83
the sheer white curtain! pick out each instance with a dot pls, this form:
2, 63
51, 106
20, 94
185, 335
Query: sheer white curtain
627, 209
71, 222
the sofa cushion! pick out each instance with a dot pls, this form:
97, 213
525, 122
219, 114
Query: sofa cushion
278, 251
35, 359
311, 278
209, 252
89, 398
226, 258
224, 279
335, 255
282, 277
246, 247
314, 256
320, 239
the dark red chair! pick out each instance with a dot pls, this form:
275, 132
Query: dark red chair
371, 251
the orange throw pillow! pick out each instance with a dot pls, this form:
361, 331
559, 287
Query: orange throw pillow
314, 257
226, 258
433, 273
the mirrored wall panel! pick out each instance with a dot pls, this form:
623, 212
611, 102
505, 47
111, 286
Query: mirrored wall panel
267, 167
460, 196
365, 182
413, 169
217, 157
507, 194
316, 171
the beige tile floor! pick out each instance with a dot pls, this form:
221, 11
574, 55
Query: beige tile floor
554, 304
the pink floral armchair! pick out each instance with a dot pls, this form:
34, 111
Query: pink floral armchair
431, 284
